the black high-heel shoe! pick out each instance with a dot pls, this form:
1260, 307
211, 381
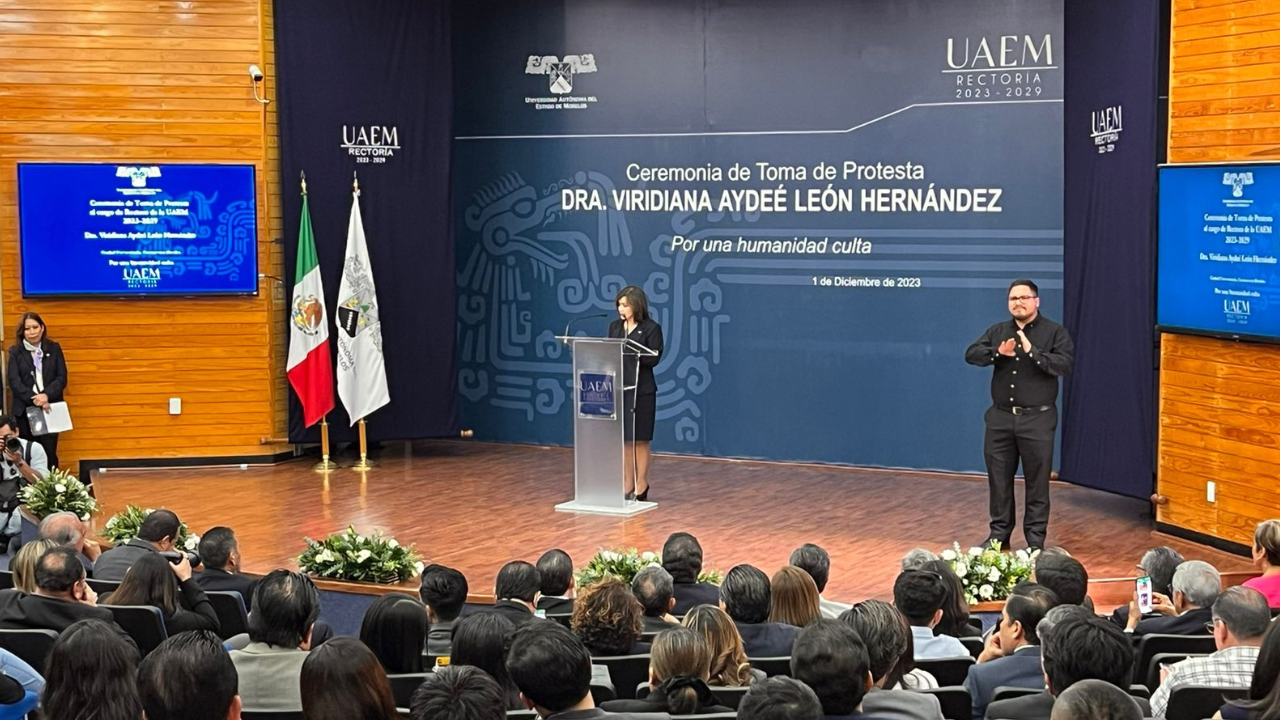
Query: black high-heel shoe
644, 496
630, 496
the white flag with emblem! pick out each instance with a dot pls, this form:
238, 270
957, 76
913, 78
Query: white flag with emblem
362, 374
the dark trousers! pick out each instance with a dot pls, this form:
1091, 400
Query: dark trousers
1010, 438
48, 442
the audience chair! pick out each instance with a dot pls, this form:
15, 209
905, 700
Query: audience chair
626, 671
562, 618
1139, 690
948, 671
975, 623
604, 693
1152, 676
403, 687
955, 700
268, 715
143, 623
772, 666
102, 587
522, 715
233, 617
31, 646
1198, 702
729, 696
710, 716
649, 637
974, 645
6, 580
429, 661
1007, 692
1151, 645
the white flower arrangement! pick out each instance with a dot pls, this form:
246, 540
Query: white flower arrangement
59, 491
625, 565
360, 558
987, 573
124, 526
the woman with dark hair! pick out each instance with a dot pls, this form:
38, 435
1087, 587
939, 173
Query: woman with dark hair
154, 580
1264, 692
793, 597
640, 405
90, 673
609, 619
729, 664
343, 680
37, 376
479, 640
678, 674
955, 610
395, 629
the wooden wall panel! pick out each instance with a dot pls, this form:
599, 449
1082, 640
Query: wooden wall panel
141, 81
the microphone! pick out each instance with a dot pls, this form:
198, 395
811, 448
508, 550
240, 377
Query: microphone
584, 317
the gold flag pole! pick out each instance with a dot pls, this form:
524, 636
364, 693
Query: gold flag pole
325, 465
365, 463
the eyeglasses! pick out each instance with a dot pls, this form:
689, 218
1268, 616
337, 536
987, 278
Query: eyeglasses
1022, 298
1212, 625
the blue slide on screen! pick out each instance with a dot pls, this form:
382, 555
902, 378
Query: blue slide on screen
99, 229
1218, 250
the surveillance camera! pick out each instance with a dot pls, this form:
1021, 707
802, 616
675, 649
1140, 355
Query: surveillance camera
255, 73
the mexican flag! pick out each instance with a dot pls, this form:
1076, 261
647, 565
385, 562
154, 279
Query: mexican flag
310, 363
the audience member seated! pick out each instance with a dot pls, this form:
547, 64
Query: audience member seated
780, 698
444, 591
189, 677
607, 617
916, 558
220, 555
729, 664
62, 597
1195, 585
552, 669
920, 595
90, 673
154, 581
516, 590
793, 597
1266, 555
655, 590
817, 562
682, 557
23, 566
1158, 564
830, 658
395, 629
746, 597
1096, 700
556, 569
1071, 649
1064, 575
64, 528
479, 640
677, 678
343, 680
1263, 700
1011, 657
885, 633
15, 702
1240, 618
955, 609
285, 608
905, 675
458, 692
157, 534
17, 669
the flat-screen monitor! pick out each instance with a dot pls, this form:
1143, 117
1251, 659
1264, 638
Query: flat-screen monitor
97, 229
1218, 249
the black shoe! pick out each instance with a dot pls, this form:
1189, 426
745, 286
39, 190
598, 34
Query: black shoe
644, 496
630, 496
1001, 545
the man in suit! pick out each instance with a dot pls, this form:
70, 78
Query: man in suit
158, 532
1074, 649
458, 692
1196, 585
1096, 700
830, 658
444, 591
516, 591
65, 528
655, 590
1158, 564
62, 597
885, 632
682, 557
779, 698
189, 675
220, 555
285, 608
556, 569
815, 560
552, 670
745, 596
1012, 655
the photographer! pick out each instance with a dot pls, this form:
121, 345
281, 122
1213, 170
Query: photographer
22, 462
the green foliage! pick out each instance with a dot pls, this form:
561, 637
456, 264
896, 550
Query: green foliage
987, 573
59, 491
625, 565
124, 526
360, 558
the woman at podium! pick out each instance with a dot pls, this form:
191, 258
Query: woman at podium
640, 404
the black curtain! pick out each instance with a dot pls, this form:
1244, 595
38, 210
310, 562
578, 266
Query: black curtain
376, 74
1111, 151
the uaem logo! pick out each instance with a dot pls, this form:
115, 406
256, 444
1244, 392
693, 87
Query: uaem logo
560, 75
999, 67
1237, 181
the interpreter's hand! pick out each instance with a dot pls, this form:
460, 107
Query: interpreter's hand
91, 549
1162, 604
1135, 615
41, 401
182, 569
1026, 344
991, 650
1006, 347
89, 597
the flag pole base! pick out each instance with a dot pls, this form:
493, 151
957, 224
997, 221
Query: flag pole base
326, 465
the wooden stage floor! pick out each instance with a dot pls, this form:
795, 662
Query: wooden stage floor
474, 506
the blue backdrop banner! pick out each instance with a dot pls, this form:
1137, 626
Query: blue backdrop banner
824, 201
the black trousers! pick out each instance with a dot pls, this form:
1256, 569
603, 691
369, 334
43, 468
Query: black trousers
1010, 438
48, 442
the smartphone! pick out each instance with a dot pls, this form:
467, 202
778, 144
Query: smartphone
1144, 594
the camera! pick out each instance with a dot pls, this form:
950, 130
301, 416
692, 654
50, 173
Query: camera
12, 445
175, 556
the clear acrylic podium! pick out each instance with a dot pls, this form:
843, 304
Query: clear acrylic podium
600, 420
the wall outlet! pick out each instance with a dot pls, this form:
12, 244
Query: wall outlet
1211, 491
175, 406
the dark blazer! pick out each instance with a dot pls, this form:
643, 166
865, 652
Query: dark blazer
656, 702
22, 374
1037, 707
656, 624
114, 563
517, 613
194, 611
556, 606
596, 713
767, 639
640, 648
213, 579
20, 611
690, 595
1021, 669
648, 334
1190, 622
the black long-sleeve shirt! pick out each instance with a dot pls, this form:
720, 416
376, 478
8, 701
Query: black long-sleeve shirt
649, 334
1026, 379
